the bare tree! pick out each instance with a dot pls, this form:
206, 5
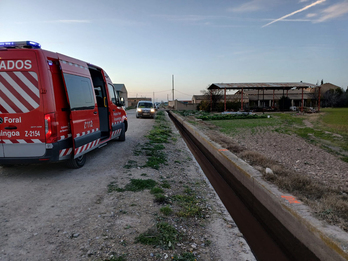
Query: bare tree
334, 97
214, 96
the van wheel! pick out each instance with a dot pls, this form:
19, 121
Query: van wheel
122, 137
7, 165
78, 162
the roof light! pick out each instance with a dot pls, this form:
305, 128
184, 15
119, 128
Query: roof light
21, 44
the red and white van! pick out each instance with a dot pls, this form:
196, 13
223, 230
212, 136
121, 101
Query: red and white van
54, 107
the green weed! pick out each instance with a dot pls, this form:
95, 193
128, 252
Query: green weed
131, 164
156, 190
189, 204
138, 185
336, 119
157, 158
166, 210
207, 242
165, 184
159, 134
238, 125
162, 235
112, 187
214, 117
153, 149
345, 159
161, 199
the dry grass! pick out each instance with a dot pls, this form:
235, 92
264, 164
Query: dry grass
327, 202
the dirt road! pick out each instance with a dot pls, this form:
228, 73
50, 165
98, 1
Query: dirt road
38, 202
50, 212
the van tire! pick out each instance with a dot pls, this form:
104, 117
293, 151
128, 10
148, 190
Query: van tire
77, 162
122, 136
7, 165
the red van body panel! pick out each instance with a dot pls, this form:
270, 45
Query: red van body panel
20, 95
49, 109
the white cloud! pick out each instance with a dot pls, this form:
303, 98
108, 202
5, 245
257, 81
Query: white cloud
57, 22
295, 12
252, 6
70, 21
310, 15
188, 18
292, 20
333, 12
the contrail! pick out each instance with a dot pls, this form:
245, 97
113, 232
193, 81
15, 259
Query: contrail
298, 11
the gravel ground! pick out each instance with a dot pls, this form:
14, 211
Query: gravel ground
50, 213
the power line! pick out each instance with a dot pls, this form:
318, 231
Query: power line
151, 92
184, 93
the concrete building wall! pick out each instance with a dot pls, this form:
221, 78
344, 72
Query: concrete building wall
132, 102
180, 106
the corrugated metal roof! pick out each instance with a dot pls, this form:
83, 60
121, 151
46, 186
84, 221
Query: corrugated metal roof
257, 85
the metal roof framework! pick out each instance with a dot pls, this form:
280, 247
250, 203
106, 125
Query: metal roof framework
262, 86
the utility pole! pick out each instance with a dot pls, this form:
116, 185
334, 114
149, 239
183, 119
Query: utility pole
153, 97
173, 86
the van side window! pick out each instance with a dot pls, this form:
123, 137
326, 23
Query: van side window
80, 92
112, 93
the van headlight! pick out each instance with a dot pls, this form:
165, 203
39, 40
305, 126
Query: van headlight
152, 110
139, 110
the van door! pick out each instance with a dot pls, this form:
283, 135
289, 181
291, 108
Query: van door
22, 127
104, 106
115, 112
115, 115
84, 120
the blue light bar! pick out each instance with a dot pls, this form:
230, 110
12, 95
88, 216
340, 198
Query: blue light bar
21, 44
6, 44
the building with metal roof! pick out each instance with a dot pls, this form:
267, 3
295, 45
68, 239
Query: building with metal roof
262, 85
269, 92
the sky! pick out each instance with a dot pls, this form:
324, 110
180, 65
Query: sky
143, 43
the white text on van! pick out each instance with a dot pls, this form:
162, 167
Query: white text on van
19, 64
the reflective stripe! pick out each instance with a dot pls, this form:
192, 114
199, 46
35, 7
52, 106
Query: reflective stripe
28, 83
86, 147
14, 141
19, 92
65, 152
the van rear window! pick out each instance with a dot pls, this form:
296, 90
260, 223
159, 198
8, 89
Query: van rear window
19, 92
80, 92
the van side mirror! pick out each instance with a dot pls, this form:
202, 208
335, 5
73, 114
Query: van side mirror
120, 102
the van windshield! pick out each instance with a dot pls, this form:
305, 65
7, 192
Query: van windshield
145, 105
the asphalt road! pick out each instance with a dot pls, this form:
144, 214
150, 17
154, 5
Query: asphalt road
33, 197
